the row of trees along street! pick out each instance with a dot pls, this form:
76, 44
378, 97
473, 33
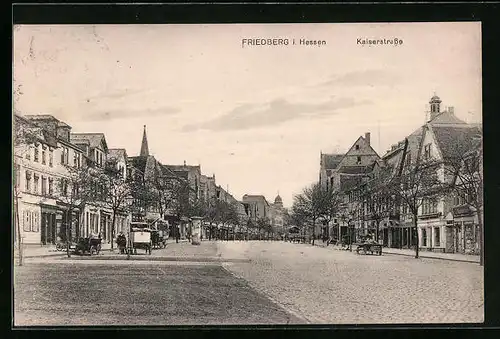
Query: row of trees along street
387, 191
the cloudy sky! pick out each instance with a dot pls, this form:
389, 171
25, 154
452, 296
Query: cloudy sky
256, 116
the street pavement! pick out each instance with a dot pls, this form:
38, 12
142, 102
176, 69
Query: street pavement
341, 287
238, 282
67, 291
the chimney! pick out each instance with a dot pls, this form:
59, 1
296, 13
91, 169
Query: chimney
451, 109
184, 162
367, 138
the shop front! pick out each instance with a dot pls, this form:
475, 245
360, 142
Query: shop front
49, 232
432, 234
465, 230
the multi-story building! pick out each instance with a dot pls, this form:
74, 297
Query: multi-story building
258, 206
97, 213
342, 173
444, 139
437, 141
42, 165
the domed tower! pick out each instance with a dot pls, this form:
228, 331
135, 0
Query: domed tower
435, 103
278, 202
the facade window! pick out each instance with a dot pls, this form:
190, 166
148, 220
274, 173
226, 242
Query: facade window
28, 153
427, 152
51, 186
358, 161
64, 155
44, 155
429, 206
28, 181
44, 186
357, 147
436, 237
51, 157
35, 183
31, 221
35, 155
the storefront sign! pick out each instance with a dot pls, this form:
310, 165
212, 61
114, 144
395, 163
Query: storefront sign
462, 210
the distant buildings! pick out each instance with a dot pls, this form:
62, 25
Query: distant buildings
46, 152
445, 223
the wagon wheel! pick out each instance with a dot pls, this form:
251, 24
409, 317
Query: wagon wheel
98, 249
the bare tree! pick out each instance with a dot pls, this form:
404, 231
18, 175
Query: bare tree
465, 169
310, 205
24, 136
81, 185
330, 204
117, 190
417, 182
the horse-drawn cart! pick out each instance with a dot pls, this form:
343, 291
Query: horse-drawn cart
140, 238
158, 239
88, 245
368, 247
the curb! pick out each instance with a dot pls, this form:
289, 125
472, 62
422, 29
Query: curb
420, 256
155, 258
429, 257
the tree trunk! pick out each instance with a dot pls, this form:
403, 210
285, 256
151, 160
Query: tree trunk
18, 228
481, 237
113, 230
68, 233
314, 231
416, 235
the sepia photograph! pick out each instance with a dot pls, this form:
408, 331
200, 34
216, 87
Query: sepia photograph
247, 174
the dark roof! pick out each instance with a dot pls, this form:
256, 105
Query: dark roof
446, 118
455, 141
138, 162
331, 161
94, 139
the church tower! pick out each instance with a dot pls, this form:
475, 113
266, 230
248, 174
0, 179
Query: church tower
435, 103
144, 145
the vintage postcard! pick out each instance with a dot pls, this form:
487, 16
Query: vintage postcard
247, 174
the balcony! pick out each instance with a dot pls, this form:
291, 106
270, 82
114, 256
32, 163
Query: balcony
430, 215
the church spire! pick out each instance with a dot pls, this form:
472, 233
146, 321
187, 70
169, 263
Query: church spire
144, 145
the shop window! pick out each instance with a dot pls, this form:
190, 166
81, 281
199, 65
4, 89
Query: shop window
424, 237
27, 223
437, 237
31, 221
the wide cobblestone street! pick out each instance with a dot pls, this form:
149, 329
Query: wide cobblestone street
340, 287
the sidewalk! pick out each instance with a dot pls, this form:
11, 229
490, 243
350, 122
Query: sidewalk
411, 253
39, 251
